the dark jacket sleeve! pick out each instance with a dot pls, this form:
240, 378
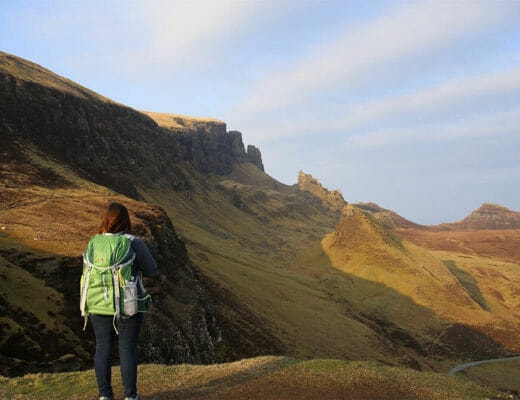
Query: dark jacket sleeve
145, 261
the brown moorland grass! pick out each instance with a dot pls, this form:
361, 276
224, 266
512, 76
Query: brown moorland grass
266, 378
501, 245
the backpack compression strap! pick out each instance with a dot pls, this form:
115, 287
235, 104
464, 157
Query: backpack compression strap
117, 282
84, 289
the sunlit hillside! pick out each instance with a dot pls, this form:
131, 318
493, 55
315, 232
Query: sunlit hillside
451, 286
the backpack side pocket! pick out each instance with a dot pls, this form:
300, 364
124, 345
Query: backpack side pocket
130, 299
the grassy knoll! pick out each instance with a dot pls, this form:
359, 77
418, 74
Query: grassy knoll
259, 378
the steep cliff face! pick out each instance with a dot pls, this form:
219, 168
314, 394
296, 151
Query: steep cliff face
87, 130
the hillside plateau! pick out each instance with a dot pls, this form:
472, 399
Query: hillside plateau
249, 266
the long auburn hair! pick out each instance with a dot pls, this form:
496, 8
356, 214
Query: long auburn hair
115, 220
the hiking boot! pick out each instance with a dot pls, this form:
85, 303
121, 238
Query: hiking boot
136, 397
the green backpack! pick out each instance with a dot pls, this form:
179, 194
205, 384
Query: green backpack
107, 285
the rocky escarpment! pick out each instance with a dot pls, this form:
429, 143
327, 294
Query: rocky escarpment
332, 199
87, 131
191, 323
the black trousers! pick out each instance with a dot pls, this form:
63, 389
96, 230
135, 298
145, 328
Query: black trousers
106, 337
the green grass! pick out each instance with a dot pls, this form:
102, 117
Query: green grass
258, 378
20, 289
504, 376
469, 283
30, 302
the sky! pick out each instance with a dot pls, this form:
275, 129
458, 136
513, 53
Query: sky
413, 105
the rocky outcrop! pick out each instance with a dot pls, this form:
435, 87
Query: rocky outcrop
192, 318
254, 156
330, 199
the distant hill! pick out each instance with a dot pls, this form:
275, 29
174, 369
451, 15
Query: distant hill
488, 217
249, 266
491, 231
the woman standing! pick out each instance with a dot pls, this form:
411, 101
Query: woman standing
116, 221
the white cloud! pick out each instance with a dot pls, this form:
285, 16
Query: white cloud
500, 124
154, 40
467, 107
470, 106
186, 38
375, 52
187, 34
